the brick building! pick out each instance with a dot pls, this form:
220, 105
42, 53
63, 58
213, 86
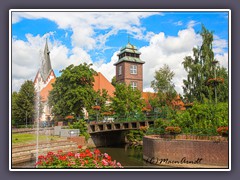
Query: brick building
129, 67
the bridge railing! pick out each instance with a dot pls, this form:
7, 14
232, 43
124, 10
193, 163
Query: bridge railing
129, 118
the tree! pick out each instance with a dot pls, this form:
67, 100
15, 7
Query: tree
126, 100
200, 69
23, 110
14, 107
163, 85
114, 81
73, 91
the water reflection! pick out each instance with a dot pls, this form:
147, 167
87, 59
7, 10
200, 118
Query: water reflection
129, 156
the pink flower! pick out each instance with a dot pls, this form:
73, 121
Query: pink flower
104, 162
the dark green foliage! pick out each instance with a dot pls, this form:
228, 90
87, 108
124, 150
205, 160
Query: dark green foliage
127, 102
82, 126
135, 135
200, 69
73, 91
202, 119
23, 104
158, 127
114, 81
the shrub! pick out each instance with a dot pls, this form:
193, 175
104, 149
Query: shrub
173, 130
82, 126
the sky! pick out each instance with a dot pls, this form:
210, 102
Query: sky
75, 37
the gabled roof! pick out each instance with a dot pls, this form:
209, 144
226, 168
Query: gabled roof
45, 91
102, 83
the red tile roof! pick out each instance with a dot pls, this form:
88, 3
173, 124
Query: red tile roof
45, 91
102, 83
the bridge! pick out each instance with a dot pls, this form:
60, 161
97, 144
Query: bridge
117, 126
108, 134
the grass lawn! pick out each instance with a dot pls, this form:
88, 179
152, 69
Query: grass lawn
20, 139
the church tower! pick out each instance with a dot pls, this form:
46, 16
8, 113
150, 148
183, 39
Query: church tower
43, 82
129, 67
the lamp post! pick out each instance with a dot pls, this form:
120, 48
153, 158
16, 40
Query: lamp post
215, 76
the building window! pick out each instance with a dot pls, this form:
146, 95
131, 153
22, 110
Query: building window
120, 70
133, 69
134, 85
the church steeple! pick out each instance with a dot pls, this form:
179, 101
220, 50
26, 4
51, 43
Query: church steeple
46, 67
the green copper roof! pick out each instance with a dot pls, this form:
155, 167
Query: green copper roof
130, 59
129, 48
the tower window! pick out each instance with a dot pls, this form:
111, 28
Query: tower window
134, 85
120, 70
133, 69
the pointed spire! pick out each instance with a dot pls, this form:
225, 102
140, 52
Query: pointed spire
46, 63
128, 39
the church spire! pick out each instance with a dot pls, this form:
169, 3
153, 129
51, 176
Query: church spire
46, 67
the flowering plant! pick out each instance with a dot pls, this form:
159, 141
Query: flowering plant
223, 130
214, 81
81, 159
96, 107
173, 130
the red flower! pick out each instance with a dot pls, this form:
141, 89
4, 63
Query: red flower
50, 153
79, 146
41, 157
71, 154
97, 151
87, 151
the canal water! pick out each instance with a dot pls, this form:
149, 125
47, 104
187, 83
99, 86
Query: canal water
129, 156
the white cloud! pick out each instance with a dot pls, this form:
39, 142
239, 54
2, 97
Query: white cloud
219, 44
178, 23
83, 24
192, 23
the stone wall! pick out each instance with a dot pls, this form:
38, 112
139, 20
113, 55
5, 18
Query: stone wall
185, 152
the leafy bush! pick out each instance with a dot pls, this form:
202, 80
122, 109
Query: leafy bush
82, 126
172, 129
158, 127
135, 135
202, 119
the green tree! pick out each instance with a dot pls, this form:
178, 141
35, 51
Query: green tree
200, 68
14, 107
127, 100
163, 85
114, 81
73, 91
23, 104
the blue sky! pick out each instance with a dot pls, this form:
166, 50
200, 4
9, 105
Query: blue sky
96, 37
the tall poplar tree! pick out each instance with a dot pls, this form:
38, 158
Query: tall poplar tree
200, 68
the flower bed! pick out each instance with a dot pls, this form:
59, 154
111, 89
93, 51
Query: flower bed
81, 159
